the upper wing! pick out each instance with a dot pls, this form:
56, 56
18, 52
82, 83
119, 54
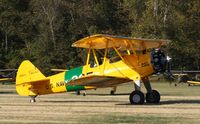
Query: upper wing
101, 41
98, 81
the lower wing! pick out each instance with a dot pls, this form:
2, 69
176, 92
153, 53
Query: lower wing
98, 81
194, 82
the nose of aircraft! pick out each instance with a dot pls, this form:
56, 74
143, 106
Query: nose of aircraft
159, 61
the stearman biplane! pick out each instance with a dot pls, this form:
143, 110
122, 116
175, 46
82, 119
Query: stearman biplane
7, 75
193, 83
111, 60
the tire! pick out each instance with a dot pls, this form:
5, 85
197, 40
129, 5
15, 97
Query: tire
78, 92
136, 97
153, 97
32, 100
112, 92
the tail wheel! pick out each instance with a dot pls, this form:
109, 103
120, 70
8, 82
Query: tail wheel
136, 97
32, 100
112, 92
153, 97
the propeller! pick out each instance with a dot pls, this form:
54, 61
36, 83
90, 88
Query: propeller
168, 74
162, 65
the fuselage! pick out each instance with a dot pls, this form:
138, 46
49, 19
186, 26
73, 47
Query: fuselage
133, 67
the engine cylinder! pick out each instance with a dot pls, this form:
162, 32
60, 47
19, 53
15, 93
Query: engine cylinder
158, 60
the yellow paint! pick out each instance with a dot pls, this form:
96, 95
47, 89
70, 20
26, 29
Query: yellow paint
95, 57
99, 42
194, 82
106, 52
31, 82
118, 53
5, 79
123, 69
56, 80
88, 56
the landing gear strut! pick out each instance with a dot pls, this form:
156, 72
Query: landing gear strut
112, 92
137, 97
79, 93
152, 96
32, 100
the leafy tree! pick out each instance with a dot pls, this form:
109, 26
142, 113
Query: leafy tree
43, 31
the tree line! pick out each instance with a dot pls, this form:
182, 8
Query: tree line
42, 31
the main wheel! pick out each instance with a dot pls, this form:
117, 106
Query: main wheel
153, 97
136, 97
78, 92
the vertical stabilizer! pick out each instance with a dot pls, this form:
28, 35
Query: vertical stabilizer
29, 80
27, 72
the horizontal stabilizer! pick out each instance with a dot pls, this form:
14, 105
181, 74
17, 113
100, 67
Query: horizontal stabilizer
194, 82
34, 82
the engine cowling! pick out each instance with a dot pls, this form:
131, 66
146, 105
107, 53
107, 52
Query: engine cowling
158, 60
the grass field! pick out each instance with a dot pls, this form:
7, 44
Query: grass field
179, 105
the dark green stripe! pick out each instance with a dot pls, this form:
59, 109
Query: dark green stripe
75, 88
72, 75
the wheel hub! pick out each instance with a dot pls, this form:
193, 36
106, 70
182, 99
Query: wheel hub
136, 98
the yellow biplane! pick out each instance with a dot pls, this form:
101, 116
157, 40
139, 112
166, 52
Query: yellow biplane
111, 60
193, 83
7, 75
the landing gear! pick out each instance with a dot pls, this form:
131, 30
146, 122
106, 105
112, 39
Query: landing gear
112, 92
84, 93
153, 97
32, 100
136, 97
78, 92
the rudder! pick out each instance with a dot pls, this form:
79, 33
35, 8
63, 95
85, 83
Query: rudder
26, 74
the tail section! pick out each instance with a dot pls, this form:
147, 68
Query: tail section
28, 74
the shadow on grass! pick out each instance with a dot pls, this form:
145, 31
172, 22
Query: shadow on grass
179, 102
169, 102
118, 94
7, 92
80, 101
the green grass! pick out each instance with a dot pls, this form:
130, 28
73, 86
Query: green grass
165, 88
114, 118
98, 107
182, 89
